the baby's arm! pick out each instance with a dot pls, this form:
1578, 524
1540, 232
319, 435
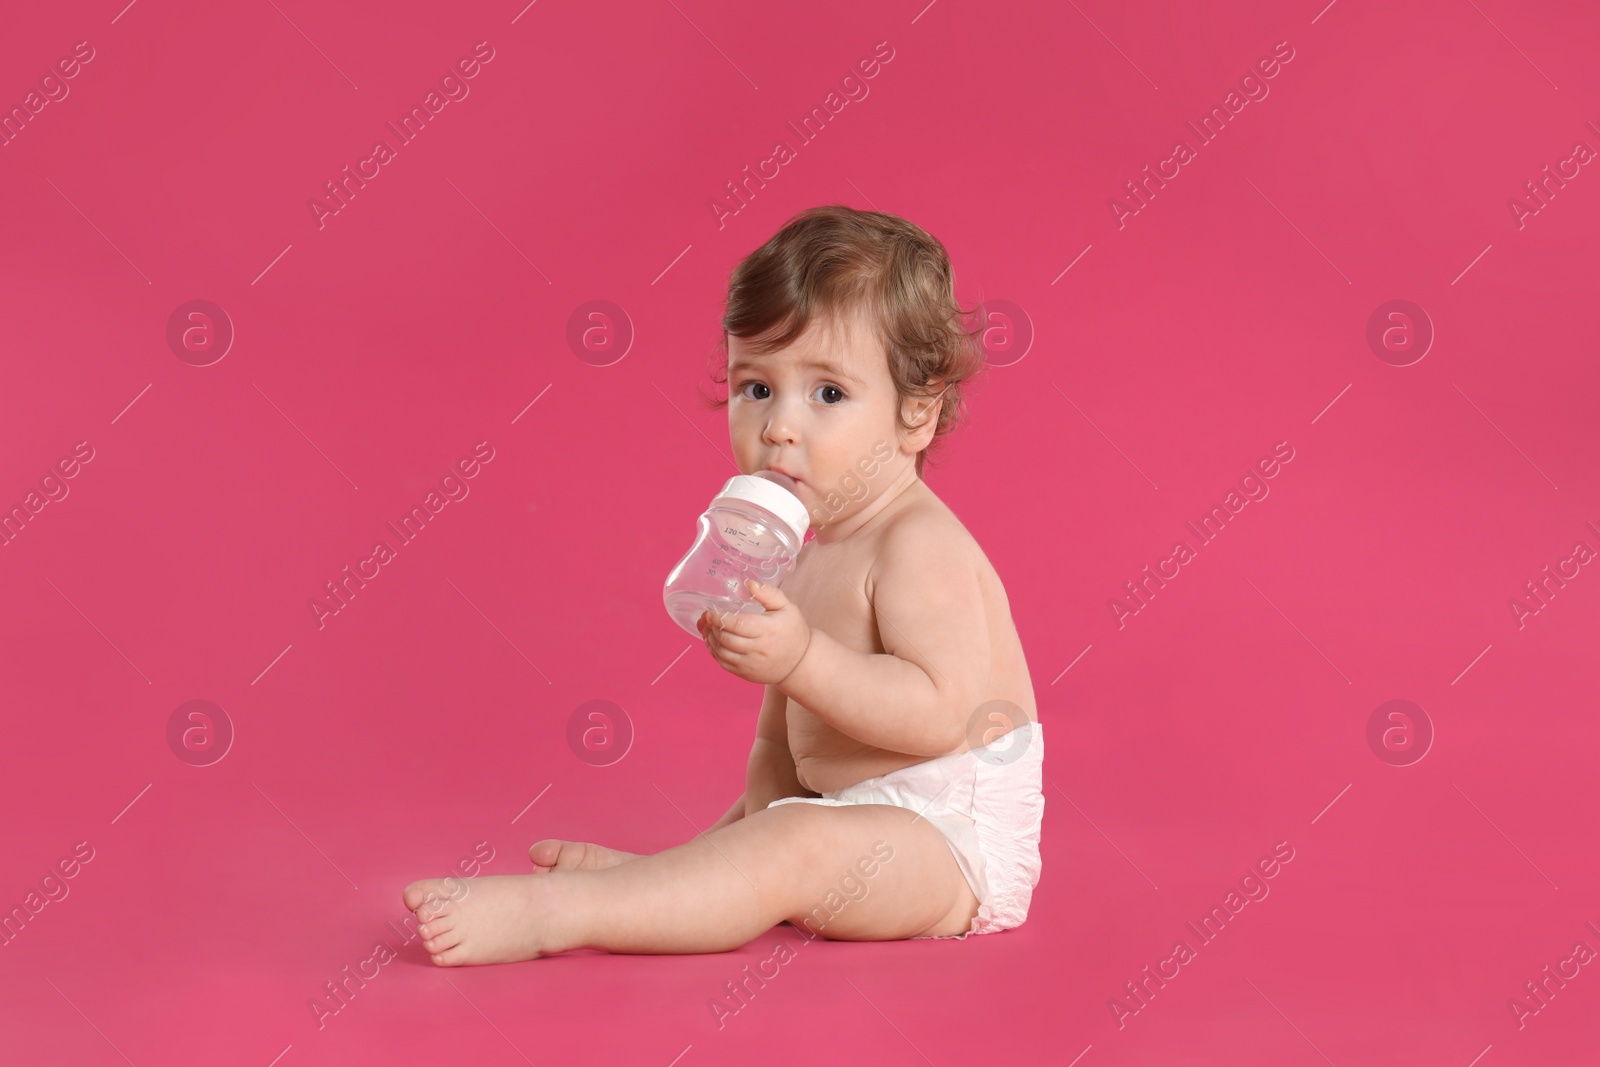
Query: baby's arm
917, 696
771, 773
734, 814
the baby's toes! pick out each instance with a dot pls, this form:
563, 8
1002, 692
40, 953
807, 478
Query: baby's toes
414, 895
555, 854
443, 924
443, 941
428, 898
545, 853
451, 957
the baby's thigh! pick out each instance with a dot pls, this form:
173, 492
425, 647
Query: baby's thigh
884, 874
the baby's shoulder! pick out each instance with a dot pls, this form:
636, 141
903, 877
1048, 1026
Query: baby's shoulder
929, 537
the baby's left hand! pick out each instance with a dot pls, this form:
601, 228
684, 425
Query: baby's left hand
763, 648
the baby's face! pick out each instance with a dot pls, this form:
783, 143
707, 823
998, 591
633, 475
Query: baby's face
821, 411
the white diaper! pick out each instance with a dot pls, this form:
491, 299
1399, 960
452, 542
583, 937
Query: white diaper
988, 803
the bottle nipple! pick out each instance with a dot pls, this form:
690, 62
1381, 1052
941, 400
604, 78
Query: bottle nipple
778, 479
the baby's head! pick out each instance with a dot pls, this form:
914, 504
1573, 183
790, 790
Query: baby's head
873, 295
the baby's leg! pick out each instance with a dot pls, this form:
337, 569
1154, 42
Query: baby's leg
554, 854
717, 891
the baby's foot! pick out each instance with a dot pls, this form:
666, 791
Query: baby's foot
555, 855
501, 919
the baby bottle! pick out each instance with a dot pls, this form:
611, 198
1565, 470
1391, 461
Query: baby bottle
753, 529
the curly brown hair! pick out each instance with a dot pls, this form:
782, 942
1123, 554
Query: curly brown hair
832, 261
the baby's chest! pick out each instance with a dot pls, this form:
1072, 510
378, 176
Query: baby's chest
829, 588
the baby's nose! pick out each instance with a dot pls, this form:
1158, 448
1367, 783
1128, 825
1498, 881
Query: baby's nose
780, 430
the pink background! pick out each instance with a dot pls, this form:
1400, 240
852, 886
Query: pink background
1227, 315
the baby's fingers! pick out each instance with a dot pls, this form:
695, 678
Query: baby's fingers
743, 623
733, 641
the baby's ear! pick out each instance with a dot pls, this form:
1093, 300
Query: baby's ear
924, 413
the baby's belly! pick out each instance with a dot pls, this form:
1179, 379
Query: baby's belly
822, 774
825, 759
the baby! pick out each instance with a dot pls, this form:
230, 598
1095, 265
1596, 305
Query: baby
893, 787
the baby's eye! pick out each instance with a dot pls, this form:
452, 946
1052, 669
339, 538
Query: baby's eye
825, 389
747, 385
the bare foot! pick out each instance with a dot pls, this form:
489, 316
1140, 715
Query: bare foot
500, 918
555, 855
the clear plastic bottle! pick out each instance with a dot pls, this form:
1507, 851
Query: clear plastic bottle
753, 529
